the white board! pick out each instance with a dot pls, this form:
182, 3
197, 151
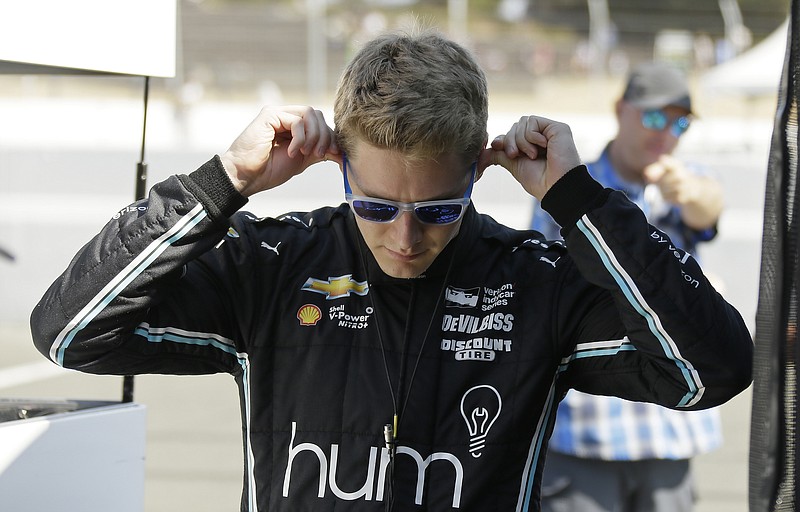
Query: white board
129, 37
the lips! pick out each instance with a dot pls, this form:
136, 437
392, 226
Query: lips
401, 256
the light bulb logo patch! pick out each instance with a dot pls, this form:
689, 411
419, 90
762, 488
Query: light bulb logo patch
480, 408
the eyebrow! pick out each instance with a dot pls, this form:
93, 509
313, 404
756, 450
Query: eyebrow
451, 195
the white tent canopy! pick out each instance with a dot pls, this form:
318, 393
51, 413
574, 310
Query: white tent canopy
755, 72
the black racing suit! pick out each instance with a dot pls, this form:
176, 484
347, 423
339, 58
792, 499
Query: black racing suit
473, 356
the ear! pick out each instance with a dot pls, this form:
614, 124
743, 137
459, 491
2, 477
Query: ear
335, 157
484, 161
618, 107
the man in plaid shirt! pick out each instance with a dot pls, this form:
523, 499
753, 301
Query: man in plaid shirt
610, 454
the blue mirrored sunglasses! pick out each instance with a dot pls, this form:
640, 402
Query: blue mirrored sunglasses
373, 209
657, 120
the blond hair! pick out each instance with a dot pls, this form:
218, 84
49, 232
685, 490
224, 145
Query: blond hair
420, 95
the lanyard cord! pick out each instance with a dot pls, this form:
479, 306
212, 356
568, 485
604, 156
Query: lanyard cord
398, 412
390, 429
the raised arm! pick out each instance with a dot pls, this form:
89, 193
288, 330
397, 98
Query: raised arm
660, 333
157, 273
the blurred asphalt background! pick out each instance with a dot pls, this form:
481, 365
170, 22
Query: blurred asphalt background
68, 150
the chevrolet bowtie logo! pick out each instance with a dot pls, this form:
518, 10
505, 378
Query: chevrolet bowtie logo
337, 287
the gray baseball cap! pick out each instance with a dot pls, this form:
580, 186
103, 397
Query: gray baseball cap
657, 85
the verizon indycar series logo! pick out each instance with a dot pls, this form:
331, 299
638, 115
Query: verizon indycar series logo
460, 298
471, 297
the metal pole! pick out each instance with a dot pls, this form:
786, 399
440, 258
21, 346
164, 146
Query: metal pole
599, 34
141, 167
316, 28
736, 33
141, 187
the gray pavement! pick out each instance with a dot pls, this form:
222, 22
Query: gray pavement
194, 459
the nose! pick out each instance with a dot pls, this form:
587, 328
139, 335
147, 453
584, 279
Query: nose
666, 141
406, 231
668, 130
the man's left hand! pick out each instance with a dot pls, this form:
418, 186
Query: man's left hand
537, 151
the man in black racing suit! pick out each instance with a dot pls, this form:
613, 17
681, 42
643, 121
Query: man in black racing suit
402, 351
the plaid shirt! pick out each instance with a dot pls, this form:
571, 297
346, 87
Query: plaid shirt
609, 428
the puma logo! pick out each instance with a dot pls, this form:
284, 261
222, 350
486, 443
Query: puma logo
552, 262
265, 245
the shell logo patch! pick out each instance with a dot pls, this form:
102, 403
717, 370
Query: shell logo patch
309, 315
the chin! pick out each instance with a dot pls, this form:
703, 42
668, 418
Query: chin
400, 271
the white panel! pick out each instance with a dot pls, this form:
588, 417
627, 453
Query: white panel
133, 37
90, 460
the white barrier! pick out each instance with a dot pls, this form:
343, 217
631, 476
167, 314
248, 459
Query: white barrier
72, 456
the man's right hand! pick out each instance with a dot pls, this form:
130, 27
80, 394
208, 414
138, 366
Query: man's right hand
699, 197
279, 143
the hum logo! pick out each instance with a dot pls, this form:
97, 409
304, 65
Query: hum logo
375, 471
